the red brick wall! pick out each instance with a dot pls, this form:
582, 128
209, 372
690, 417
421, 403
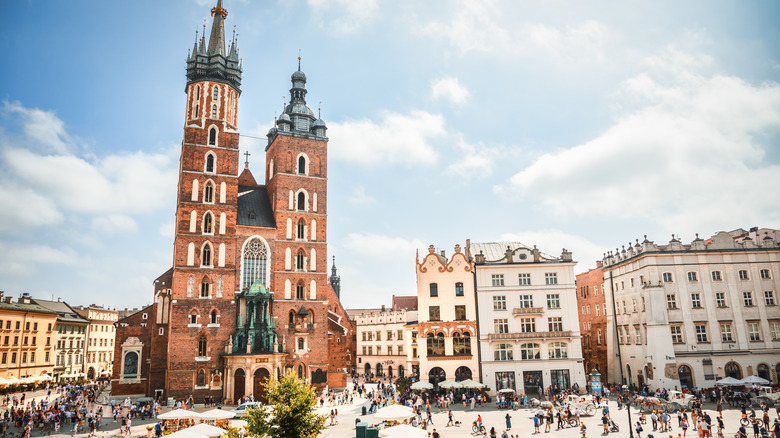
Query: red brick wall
594, 355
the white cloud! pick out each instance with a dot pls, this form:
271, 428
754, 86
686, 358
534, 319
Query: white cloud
344, 17
21, 207
167, 229
690, 155
43, 128
583, 41
375, 245
474, 160
473, 27
552, 241
114, 223
449, 88
360, 197
396, 139
21, 258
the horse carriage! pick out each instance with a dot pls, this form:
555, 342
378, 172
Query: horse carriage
585, 403
678, 400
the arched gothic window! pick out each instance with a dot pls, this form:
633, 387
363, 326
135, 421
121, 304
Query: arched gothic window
208, 221
204, 288
301, 229
254, 260
201, 378
210, 158
213, 133
299, 291
291, 319
300, 371
300, 343
197, 92
299, 260
202, 347
208, 193
213, 317
213, 111
301, 201
206, 259
215, 96
301, 165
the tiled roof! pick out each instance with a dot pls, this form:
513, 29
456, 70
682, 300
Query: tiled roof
24, 307
65, 313
254, 207
408, 302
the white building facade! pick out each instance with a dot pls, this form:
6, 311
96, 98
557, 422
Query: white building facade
445, 335
686, 315
382, 343
529, 333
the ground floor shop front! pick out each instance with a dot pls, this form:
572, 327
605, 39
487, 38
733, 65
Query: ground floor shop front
529, 378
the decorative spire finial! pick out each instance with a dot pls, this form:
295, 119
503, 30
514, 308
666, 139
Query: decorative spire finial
299, 59
246, 163
319, 110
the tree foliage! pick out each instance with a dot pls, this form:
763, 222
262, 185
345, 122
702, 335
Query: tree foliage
291, 411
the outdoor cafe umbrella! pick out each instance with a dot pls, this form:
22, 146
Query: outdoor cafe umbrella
421, 384
506, 390
177, 414
403, 430
749, 380
468, 383
728, 381
198, 431
450, 384
215, 414
394, 413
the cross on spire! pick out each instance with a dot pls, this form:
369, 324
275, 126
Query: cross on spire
246, 163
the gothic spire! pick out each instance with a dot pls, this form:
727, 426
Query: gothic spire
217, 38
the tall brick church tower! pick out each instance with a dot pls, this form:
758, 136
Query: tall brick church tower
248, 295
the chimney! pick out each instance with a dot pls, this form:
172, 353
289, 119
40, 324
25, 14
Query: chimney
383, 308
59, 300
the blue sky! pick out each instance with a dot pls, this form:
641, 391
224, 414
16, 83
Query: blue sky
559, 124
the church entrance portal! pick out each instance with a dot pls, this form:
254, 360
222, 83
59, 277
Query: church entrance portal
238, 385
260, 379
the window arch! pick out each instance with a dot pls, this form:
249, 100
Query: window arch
202, 346
461, 344
291, 319
300, 371
201, 378
213, 317
300, 262
299, 291
208, 192
208, 223
254, 261
214, 111
435, 344
302, 167
205, 288
301, 230
301, 344
197, 92
502, 352
530, 351
215, 94
211, 159
301, 201
558, 350
206, 255
213, 136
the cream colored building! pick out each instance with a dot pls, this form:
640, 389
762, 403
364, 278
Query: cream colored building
445, 335
381, 345
26, 338
690, 314
529, 332
101, 334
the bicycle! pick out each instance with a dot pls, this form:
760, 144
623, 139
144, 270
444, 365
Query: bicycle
478, 428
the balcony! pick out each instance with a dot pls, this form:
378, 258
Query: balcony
531, 335
528, 311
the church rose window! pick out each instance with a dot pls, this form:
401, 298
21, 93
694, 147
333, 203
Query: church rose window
255, 256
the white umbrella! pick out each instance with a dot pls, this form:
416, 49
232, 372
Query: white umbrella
215, 414
450, 384
198, 431
421, 384
468, 383
749, 380
394, 413
177, 414
46, 377
506, 390
728, 381
403, 430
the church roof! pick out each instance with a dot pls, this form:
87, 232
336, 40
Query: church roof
254, 207
246, 178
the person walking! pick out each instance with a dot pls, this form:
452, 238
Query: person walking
508, 421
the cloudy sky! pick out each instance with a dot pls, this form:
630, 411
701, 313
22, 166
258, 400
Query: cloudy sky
582, 125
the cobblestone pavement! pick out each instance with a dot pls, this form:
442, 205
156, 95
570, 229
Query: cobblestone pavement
521, 419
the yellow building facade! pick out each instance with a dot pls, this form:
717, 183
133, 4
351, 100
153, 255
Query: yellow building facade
26, 338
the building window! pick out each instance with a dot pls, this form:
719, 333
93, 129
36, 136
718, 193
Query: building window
502, 352
701, 332
677, 337
774, 330
301, 165
632, 281
500, 326
204, 289
208, 221
255, 260
754, 331
364, 337
299, 291
720, 299
667, 276
550, 278
769, 297
434, 289
526, 301
743, 275
525, 279
201, 378
499, 302
435, 344
716, 276
378, 335
212, 139
208, 193
497, 279
530, 351
692, 276
213, 111
638, 335
555, 323
434, 314
461, 345
458, 289
213, 317
210, 163
527, 325
725, 332
696, 300
747, 298
620, 335
193, 318
598, 310
671, 301
765, 274
558, 350
553, 301
301, 344
460, 313
598, 337
301, 229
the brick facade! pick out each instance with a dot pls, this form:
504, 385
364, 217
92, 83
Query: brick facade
591, 302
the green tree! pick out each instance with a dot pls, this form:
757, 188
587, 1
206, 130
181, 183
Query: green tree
291, 411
